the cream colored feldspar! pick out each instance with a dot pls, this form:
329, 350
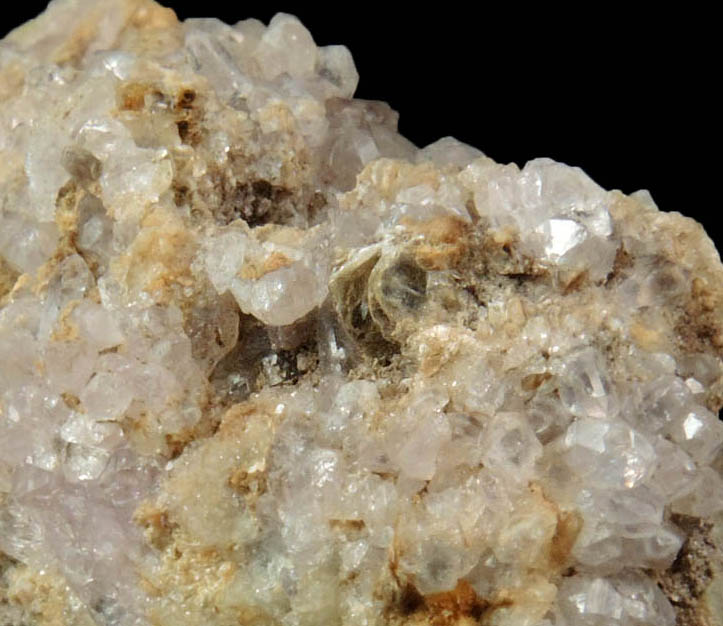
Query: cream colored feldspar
264, 362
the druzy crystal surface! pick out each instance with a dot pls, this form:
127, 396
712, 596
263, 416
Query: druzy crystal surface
264, 362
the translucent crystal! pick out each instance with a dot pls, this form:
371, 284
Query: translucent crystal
286, 47
277, 283
511, 447
560, 236
610, 454
586, 387
626, 600
699, 433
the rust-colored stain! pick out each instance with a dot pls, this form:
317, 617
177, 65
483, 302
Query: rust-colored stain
569, 524
460, 606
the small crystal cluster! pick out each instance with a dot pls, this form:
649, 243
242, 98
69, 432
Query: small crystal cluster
265, 362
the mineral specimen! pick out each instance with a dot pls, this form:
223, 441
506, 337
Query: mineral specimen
265, 362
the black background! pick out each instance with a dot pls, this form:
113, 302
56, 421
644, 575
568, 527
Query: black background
629, 99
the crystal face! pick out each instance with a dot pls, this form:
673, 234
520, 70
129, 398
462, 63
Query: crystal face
265, 362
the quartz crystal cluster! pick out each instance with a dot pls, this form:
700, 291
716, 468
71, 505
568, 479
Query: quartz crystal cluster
264, 362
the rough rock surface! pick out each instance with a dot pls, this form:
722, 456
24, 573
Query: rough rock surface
265, 362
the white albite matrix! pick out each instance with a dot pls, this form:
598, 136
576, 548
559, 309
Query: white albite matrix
264, 362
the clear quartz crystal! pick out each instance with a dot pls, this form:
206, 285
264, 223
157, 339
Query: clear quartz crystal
627, 599
265, 361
